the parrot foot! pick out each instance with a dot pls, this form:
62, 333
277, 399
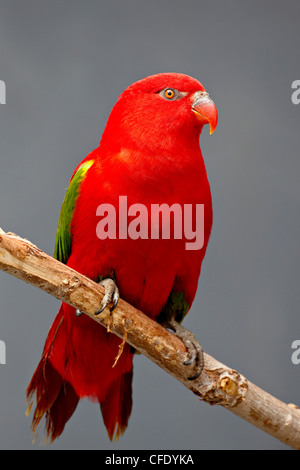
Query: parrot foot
194, 349
111, 296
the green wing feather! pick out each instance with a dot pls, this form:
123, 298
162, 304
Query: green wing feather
63, 241
176, 307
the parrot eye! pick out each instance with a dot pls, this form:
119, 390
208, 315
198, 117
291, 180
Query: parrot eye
169, 93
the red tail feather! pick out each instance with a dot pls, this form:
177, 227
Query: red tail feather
116, 407
77, 361
55, 398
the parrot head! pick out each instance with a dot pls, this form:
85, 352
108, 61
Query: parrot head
161, 109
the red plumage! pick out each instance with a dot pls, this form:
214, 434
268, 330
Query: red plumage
149, 152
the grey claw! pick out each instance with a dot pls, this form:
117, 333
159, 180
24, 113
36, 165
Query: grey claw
194, 377
194, 349
111, 295
100, 310
191, 360
114, 305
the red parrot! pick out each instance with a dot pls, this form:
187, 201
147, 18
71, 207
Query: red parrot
150, 153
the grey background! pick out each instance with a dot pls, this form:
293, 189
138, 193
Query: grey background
64, 64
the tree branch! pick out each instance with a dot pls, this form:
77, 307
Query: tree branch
218, 384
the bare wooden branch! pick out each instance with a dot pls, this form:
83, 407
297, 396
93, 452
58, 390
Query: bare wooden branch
218, 384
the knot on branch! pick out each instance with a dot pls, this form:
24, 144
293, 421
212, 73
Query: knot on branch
223, 387
71, 284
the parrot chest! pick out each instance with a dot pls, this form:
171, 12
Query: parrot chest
145, 235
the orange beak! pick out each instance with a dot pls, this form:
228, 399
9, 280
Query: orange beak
205, 109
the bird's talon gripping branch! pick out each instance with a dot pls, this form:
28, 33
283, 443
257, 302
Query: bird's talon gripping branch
111, 295
192, 358
194, 349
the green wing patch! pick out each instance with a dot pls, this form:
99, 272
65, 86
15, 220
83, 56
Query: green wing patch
176, 307
63, 241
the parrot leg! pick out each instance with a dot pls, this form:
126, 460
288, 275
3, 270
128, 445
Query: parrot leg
111, 295
194, 349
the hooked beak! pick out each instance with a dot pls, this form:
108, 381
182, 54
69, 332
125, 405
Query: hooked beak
205, 109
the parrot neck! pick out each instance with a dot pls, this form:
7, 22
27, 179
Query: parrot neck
152, 143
